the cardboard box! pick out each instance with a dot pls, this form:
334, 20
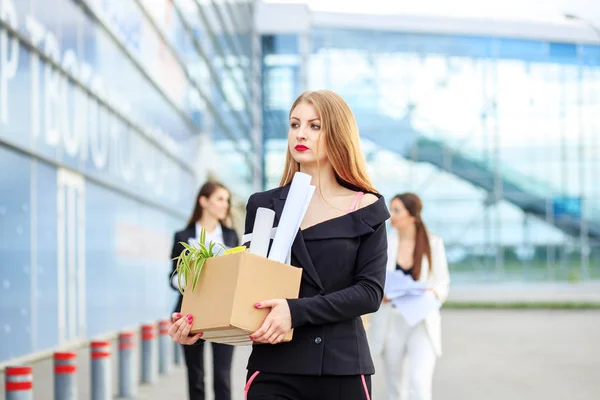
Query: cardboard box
228, 287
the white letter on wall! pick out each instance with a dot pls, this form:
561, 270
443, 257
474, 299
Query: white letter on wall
82, 109
70, 133
51, 91
98, 124
36, 32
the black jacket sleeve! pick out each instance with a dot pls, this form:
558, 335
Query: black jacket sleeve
363, 297
175, 252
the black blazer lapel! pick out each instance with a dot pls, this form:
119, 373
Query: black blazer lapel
230, 237
299, 250
278, 208
189, 233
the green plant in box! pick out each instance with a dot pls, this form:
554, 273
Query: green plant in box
192, 259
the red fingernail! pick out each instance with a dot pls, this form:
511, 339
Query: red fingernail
257, 305
178, 315
251, 338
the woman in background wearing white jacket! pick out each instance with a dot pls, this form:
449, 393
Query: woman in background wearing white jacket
410, 353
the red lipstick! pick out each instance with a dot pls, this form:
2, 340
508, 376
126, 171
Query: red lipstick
300, 147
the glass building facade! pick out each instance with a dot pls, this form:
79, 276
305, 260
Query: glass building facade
500, 138
112, 112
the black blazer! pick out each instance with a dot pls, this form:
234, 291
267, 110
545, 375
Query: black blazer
344, 267
230, 238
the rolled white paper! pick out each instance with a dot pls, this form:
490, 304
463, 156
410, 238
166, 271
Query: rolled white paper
261, 232
247, 238
291, 217
309, 194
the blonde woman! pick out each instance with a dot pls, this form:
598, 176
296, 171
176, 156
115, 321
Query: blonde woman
410, 352
342, 249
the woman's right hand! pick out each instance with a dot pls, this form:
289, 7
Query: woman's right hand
180, 329
386, 300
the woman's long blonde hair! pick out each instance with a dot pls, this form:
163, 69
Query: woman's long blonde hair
341, 138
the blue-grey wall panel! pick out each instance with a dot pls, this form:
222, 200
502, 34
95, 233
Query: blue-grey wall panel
15, 255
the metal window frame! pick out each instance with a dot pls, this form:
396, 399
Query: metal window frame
88, 10
207, 61
242, 124
233, 16
216, 44
229, 34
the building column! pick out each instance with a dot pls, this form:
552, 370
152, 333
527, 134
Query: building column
304, 48
258, 173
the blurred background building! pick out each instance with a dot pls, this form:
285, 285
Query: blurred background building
493, 122
113, 112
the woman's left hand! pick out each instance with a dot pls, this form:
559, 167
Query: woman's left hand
277, 323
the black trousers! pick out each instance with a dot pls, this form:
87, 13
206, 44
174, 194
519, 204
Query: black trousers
194, 359
269, 386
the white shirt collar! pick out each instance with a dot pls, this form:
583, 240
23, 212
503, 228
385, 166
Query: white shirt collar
218, 232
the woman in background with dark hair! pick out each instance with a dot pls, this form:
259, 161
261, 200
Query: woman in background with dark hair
211, 211
420, 255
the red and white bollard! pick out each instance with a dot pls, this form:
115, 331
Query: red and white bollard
149, 353
176, 353
127, 383
18, 383
164, 346
101, 382
65, 367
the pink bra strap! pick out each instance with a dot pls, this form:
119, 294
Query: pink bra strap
355, 202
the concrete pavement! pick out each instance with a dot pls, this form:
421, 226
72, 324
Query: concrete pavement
488, 355
525, 292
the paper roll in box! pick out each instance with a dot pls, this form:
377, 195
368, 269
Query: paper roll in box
222, 304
